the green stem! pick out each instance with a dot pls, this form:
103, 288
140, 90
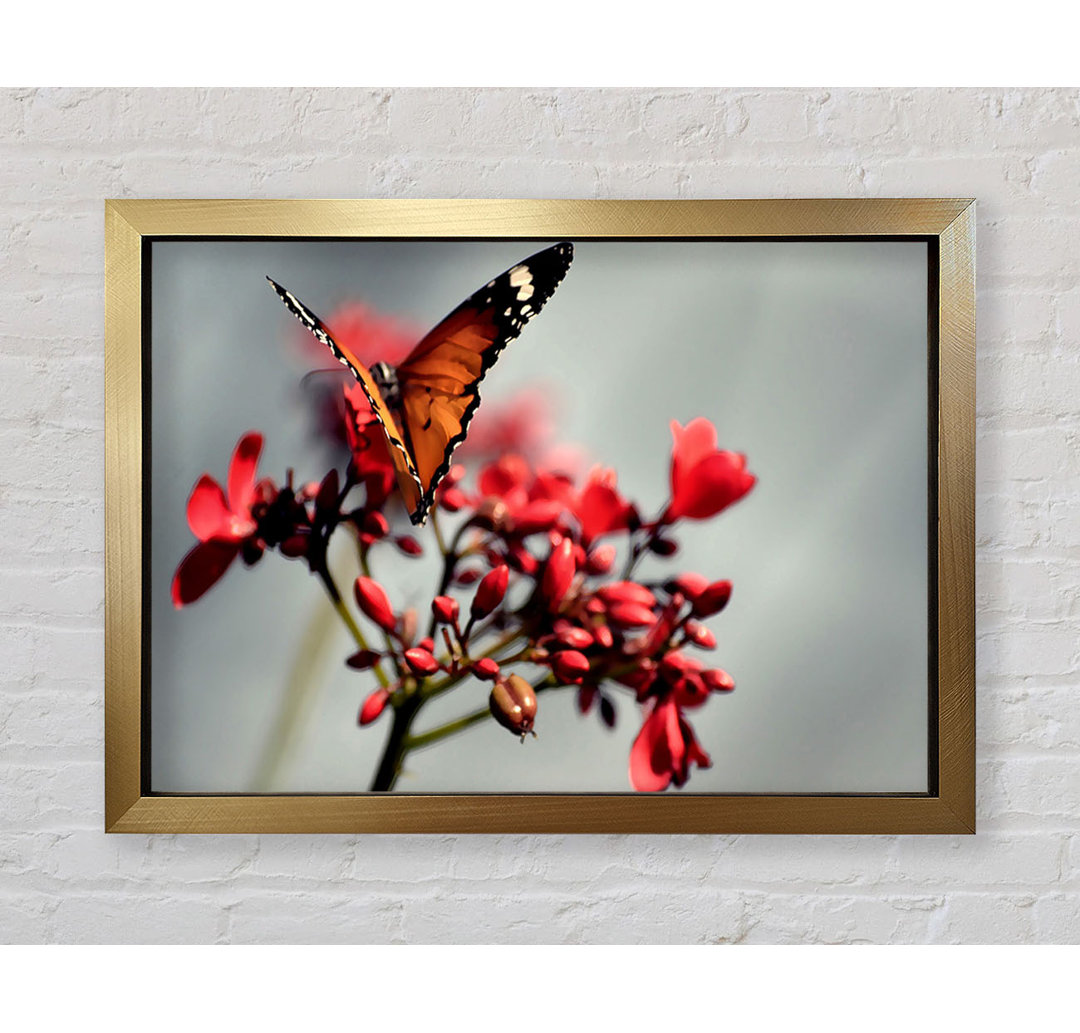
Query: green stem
418, 742
439, 540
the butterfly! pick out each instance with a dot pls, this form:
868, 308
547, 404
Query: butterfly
425, 404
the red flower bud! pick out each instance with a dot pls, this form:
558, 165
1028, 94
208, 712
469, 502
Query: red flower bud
690, 584
601, 559
421, 661
513, 704
295, 546
373, 706
603, 636
468, 577
490, 591
569, 666
664, 546
559, 573
327, 493
372, 599
453, 500
713, 599
445, 609
409, 545
537, 516
486, 669
363, 659
522, 560
700, 635
571, 635
427, 643
631, 615
626, 592
675, 664
718, 680
375, 524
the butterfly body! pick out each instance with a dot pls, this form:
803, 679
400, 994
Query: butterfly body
385, 376
426, 402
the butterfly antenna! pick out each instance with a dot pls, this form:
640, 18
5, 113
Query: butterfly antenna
318, 372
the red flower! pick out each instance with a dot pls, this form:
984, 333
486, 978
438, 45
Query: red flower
517, 502
626, 592
631, 615
368, 333
664, 750
370, 452
601, 559
520, 424
699, 635
704, 480
421, 661
490, 591
712, 599
600, 508
222, 526
486, 669
569, 666
371, 597
558, 573
445, 609
373, 706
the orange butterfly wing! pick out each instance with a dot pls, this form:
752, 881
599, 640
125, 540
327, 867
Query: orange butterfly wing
439, 380
407, 477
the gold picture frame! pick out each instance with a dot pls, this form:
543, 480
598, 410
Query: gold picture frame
948, 227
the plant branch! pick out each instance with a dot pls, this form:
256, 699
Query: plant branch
434, 735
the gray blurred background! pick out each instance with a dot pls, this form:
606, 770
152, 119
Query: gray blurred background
808, 357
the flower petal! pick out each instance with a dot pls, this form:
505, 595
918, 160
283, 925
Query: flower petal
509, 472
200, 569
207, 511
600, 508
242, 471
710, 486
692, 443
651, 762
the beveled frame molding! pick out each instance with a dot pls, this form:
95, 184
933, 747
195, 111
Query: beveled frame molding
949, 227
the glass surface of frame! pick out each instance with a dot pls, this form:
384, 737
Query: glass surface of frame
831, 342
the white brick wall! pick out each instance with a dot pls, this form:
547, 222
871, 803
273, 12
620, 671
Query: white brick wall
63, 151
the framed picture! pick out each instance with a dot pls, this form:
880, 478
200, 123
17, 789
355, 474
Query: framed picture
540, 516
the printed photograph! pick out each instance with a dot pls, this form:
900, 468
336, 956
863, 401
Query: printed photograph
539, 516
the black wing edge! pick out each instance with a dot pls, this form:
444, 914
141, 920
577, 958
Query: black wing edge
547, 269
315, 325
